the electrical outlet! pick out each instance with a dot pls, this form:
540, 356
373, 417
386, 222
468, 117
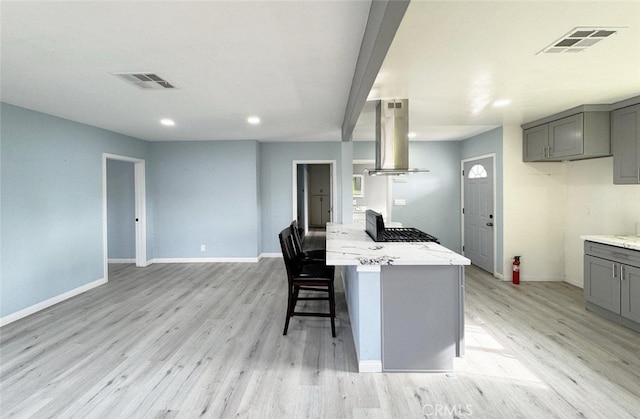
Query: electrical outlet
399, 202
203, 248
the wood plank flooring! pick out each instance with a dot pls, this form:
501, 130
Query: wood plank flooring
205, 340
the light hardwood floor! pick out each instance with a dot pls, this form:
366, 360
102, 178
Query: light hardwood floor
205, 340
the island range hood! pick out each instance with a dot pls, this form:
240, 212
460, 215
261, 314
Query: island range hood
392, 139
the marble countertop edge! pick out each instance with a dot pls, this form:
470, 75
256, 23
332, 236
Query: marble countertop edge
350, 245
627, 242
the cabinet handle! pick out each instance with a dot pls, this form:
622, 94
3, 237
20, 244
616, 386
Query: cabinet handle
613, 270
621, 273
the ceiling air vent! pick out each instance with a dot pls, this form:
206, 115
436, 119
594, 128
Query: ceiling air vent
579, 39
146, 80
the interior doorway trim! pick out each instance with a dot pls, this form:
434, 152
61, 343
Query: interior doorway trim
496, 216
294, 185
140, 209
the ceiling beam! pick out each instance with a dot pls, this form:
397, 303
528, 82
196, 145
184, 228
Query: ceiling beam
382, 24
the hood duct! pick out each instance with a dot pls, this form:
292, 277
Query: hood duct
392, 139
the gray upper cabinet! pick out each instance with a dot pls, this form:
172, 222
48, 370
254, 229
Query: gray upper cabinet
566, 137
625, 138
576, 134
536, 143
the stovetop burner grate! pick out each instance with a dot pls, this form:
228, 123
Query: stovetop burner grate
404, 234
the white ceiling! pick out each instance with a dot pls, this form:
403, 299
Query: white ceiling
454, 59
292, 64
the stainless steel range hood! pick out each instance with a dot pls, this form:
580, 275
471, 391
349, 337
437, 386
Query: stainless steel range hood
392, 139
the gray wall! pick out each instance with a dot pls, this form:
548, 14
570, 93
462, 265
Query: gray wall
121, 226
205, 193
276, 161
232, 196
433, 198
51, 196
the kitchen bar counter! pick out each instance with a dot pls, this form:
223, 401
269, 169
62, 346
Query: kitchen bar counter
628, 242
349, 244
405, 300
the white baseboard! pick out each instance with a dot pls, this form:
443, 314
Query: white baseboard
370, 366
204, 260
270, 255
10, 318
117, 260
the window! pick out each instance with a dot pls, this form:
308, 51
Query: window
477, 172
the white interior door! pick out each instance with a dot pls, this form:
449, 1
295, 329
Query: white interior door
478, 212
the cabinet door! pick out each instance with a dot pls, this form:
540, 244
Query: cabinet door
535, 143
625, 140
630, 293
602, 283
566, 137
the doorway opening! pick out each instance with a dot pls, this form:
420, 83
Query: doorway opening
314, 193
139, 212
478, 211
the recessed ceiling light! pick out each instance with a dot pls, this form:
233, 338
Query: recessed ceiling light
501, 102
167, 122
253, 120
411, 135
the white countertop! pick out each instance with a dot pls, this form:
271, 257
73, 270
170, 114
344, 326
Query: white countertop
628, 242
349, 244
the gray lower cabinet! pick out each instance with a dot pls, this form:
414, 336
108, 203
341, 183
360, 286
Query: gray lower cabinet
601, 283
625, 140
612, 283
422, 317
630, 292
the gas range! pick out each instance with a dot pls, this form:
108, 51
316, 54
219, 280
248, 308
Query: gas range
378, 232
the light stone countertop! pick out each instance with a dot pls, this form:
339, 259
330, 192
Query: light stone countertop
349, 244
628, 242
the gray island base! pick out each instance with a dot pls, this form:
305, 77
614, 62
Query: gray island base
405, 301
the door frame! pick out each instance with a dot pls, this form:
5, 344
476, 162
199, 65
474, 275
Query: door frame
492, 156
294, 187
140, 209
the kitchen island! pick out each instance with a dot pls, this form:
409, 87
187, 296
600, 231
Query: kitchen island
405, 300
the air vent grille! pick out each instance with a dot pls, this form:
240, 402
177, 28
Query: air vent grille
146, 80
579, 39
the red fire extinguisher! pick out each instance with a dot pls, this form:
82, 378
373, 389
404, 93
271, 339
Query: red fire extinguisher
516, 270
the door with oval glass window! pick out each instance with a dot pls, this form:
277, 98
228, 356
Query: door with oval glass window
478, 212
